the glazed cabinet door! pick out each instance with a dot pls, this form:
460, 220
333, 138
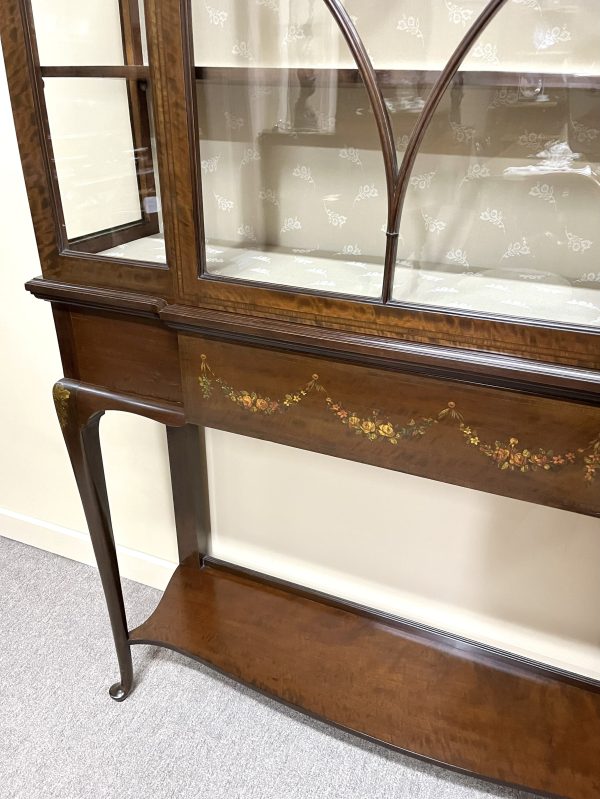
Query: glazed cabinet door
500, 208
293, 177
302, 110
81, 86
429, 174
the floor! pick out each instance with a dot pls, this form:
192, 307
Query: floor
185, 732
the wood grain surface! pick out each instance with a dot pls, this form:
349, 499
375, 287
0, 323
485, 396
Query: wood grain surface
416, 691
444, 452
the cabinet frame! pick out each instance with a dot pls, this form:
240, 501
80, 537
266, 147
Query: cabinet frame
62, 259
133, 338
543, 340
172, 74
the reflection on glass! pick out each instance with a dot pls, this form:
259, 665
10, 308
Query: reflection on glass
107, 187
501, 211
92, 57
292, 172
409, 46
80, 33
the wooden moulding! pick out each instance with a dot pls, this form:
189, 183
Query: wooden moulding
425, 693
487, 368
127, 71
75, 295
484, 368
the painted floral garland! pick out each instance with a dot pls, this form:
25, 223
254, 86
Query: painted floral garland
507, 455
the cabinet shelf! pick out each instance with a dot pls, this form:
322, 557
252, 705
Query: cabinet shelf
344, 76
414, 689
392, 77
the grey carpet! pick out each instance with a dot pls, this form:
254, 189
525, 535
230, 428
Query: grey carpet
185, 732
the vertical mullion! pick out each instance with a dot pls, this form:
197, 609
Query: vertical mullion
38, 88
172, 92
139, 113
382, 118
410, 155
194, 131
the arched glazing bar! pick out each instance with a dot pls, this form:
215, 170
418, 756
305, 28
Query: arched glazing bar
417, 135
369, 77
249, 76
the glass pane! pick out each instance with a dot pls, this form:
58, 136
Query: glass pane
502, 206
78, 32
107, 184
409, 46
292, 171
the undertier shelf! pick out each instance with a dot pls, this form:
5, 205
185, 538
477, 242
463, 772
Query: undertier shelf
416, 690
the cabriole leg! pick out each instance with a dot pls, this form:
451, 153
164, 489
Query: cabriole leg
81, 434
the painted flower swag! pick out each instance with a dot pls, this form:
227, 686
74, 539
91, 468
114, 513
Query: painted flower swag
507, 455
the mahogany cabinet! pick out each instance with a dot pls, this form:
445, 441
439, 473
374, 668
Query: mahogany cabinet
364, 229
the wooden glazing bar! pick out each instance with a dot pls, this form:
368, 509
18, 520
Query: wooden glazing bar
420, 129
139, 111
380, 111
129, 72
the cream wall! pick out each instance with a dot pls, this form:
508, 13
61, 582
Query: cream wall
509, 573
38, 499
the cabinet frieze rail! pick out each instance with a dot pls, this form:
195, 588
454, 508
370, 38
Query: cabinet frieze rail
508, 454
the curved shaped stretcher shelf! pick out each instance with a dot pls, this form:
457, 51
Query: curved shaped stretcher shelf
410, 688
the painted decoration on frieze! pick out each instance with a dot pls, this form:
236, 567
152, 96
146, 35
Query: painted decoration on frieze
508, 454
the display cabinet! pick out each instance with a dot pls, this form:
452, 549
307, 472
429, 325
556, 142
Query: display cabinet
367, 230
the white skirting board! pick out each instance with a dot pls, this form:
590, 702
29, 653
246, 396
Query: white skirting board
76, 545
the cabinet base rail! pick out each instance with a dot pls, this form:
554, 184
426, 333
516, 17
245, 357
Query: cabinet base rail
416, 690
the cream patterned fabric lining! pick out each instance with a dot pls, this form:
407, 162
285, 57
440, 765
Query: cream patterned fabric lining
525, 293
